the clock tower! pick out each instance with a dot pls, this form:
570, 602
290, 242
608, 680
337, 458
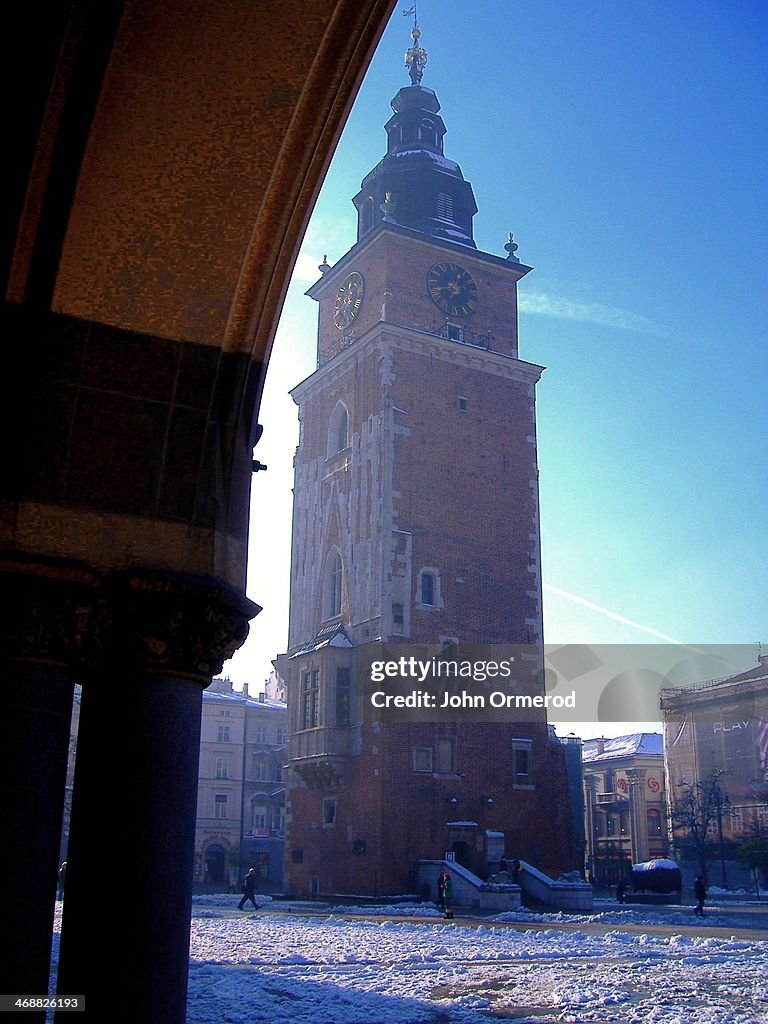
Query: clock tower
415, 522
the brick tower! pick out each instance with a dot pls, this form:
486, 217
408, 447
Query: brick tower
415, 521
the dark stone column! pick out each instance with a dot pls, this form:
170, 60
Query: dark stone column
157, 641
40, 634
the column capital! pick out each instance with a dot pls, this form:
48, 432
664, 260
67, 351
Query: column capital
163, 623
121, 623
47, 604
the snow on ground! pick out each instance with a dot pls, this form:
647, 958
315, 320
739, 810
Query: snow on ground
288, 964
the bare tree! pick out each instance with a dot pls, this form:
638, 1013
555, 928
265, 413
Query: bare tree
753, 854
697, 817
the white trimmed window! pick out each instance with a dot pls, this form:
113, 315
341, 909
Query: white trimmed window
522, 762
428, 590
310, 699
259, 768
333, 583
422, 759
338, 430
445, 761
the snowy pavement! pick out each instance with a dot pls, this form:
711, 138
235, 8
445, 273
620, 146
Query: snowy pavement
291, 965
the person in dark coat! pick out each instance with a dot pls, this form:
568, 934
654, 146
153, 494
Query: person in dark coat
700, 892
447, 888
444, 877
249, 888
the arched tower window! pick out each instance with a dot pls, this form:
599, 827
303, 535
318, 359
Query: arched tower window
366, 214
428, 132
338, 430
428, 589
333, 584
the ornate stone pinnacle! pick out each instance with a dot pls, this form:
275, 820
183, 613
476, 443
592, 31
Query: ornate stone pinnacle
512, 247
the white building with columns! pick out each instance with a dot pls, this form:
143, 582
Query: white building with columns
625, 805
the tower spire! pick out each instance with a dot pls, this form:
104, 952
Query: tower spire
416, 55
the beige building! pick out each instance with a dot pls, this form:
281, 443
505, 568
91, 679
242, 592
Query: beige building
720, 728
625, 803
241, 795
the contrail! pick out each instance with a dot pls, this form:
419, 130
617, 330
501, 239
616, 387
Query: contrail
611, 615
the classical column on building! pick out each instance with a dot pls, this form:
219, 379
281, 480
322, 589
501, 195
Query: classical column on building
143, 645
589, 809
154, 642
638, 814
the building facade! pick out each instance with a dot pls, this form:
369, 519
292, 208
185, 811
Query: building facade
625, 804
574, 770
719, 730
415, 522
241, 793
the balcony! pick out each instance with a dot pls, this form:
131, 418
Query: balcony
608, 800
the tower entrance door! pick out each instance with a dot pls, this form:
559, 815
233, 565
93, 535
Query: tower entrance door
462, 851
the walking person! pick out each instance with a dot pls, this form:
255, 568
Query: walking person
700, 892
249, 888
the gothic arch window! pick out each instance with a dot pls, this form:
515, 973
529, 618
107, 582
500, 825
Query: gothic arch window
367, 214
333, 585
338, 430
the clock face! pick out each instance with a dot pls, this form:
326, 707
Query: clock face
348, 301
453, 289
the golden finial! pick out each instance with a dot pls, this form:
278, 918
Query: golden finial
415, 56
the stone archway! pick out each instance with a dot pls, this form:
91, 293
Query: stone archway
167, 159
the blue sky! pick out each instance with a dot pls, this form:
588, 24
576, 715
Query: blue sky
624, 144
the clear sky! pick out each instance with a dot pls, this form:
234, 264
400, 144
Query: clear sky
624, 144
